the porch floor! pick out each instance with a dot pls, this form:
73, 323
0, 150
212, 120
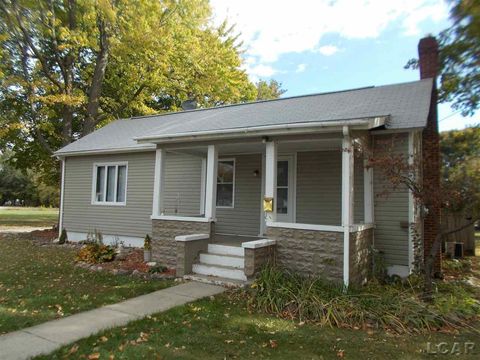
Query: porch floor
232, 240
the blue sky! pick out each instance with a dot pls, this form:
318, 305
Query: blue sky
326, 45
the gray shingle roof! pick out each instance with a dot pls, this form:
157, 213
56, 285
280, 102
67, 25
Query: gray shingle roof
407, 104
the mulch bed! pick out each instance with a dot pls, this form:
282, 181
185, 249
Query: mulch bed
133, 264
44, 236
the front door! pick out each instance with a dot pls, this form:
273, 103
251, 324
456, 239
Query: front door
285, 188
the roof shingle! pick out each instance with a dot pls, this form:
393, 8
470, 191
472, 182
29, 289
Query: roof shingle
407, 104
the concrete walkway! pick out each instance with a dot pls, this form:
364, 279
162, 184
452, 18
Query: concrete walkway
49, 336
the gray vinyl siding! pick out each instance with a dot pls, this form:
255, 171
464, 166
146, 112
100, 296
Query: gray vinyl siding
319, 188
391, 207
183, 184
244, 217
133, 219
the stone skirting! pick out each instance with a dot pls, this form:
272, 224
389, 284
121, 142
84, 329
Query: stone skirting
188, 248
256, 257
309, 252
164, 232
360, 264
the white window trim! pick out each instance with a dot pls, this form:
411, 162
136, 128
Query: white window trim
292, 159
94, 183
233, 183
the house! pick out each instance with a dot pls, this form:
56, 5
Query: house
226, 189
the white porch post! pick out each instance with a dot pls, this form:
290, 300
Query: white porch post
347, 199
158, 182
271, 178
211, 183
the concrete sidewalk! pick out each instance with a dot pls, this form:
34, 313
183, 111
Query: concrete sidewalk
49, 336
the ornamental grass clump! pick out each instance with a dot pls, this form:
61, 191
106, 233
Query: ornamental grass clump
395, 307
95, 251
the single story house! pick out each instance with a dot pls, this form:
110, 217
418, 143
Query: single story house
224, 190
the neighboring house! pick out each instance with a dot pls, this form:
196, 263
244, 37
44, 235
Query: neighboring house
202, 182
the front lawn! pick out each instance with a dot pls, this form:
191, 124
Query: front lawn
222, 328
40, 283
28, 216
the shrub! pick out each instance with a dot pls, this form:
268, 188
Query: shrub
63, 237
395, 307
93, 253
147, 243
157, 269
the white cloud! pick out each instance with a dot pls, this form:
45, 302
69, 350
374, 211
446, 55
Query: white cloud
256, 72
271, 28
301, 68
328, 50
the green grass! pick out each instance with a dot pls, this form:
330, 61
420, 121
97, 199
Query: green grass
222, 328
27, 216
40, 283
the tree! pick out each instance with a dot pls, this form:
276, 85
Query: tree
269, 90
70, 66
25, 186
458, 192
459, 47
460, 151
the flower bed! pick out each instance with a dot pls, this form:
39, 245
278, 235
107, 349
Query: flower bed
132, 264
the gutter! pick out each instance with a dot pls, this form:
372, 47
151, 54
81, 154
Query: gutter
269, 130
138, 148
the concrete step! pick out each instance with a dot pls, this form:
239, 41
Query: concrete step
223, 260
227, 272
225, 250
214, 280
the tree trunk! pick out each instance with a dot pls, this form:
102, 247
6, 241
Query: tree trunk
67, 130
97, 80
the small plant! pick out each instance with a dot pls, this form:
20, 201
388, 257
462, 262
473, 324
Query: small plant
63, 237
379, 270
157, 269
98, 237
94, 253
147, 248
147, 243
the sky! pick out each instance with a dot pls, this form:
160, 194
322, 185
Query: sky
313, 46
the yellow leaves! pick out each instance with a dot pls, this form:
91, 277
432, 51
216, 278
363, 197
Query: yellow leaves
72, 100
94, 356
73, 349
107, 10
143, 337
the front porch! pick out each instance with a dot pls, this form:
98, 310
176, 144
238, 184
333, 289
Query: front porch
310, 194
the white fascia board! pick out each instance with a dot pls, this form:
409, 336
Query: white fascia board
139, 148
270, 130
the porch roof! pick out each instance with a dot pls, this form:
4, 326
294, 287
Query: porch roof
405, 105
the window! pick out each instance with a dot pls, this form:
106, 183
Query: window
282, 187
225, 183
110, 184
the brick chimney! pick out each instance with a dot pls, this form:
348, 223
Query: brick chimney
428, 61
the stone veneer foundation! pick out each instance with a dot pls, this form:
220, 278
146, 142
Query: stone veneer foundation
256, 259
360, 256
309, 252
164, 246
313, 252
